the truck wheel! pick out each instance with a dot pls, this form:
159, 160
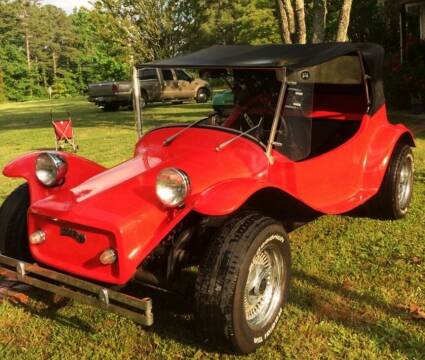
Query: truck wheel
202, 95
243, 281
111, 107
13, 224
395, 194
143, 100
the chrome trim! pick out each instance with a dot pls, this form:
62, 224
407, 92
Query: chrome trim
136, 103
264, 284
60, 165
405, 183
138, 310
277, 118
186, 183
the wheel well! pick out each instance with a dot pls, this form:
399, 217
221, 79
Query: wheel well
407, 139
281, 206
202, 88
144, 92
185, 245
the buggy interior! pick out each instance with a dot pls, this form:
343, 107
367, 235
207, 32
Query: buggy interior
323, 106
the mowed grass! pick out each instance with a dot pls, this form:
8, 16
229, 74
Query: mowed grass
354, 279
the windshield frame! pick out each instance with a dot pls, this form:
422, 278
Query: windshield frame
281, 75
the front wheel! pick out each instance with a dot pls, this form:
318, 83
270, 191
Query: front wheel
13, 224
143, 100
243, 281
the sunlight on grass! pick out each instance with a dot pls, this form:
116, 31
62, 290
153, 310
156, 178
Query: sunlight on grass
351, 276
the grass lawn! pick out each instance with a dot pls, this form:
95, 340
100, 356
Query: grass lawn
354, 279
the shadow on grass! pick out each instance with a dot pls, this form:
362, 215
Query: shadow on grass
358, 320
174, 317
50, 311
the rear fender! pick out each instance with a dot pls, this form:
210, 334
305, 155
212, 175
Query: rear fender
379, 154
79, 170
228, 196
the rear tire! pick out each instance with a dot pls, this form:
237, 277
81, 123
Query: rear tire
395, 194
202, 95
143, 100
13, 224
243, 281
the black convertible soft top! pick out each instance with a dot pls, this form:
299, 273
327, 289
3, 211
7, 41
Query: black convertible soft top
292, 57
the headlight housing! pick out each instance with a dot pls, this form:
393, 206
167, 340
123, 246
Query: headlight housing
172, 187
50, 169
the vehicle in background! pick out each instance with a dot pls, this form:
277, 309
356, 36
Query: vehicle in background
223, 103
155, 85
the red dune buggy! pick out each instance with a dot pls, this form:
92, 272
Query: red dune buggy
308, 136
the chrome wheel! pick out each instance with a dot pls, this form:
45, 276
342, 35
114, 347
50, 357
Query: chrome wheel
202, 96
264, 285
405, 184
142, 102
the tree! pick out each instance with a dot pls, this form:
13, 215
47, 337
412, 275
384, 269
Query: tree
147, 28
319, 21
301, 27
2, 88
344, 20
302, 21
284, 23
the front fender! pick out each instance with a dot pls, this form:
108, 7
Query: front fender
226, 197
79, 170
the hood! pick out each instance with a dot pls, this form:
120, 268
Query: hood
193, 151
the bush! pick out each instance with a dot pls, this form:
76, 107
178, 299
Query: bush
405, 83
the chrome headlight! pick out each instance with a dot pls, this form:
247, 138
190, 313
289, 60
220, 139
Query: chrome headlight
172, 187
50, 169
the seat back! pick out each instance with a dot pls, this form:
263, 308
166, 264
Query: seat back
63, 129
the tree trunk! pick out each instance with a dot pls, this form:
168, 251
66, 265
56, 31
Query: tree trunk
27, 49
44, 78
319, 20
287, 5
344, 20
283, 23
54, 64
300, 16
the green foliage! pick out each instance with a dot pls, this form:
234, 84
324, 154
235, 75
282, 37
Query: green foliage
374, 21
16, 75
405, 83
41, 46
235, 22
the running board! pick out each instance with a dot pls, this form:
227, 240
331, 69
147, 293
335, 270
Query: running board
138, 310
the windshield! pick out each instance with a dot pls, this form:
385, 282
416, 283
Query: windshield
240, 101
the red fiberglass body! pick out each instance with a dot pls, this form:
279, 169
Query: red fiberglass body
118, 207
